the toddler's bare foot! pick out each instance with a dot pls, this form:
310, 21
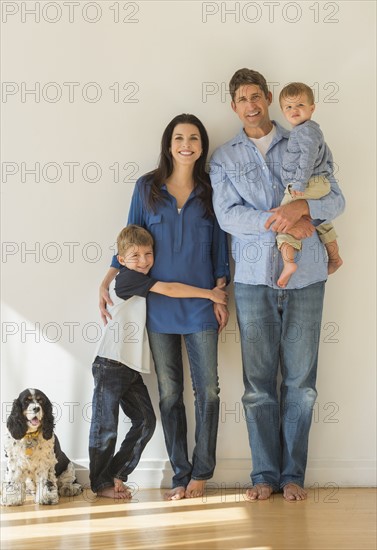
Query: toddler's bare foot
293, 492
286, 274
334, 265
175, 494
260, 491
195, 488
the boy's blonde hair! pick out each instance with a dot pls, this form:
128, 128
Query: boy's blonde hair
296, 89
133, 235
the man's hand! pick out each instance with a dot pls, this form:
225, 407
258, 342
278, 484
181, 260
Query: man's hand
222, 315
104, 299
302, 229
283, 218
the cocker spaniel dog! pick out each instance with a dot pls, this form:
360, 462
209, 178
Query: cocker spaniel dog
34, 457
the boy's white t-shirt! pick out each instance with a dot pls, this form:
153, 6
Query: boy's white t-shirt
125, 337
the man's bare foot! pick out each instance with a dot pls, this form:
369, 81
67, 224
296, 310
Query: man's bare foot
119, 491
260, 491
175, 494
286, 274
195, 488
293, 492
334, 265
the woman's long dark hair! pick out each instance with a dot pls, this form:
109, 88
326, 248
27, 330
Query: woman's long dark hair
164, 170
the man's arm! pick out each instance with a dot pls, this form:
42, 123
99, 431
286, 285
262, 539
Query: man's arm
283, 218
234, 216
245, 221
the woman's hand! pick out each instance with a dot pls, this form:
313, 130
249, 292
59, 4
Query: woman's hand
218, 295
222, 316
104, 296
104, 299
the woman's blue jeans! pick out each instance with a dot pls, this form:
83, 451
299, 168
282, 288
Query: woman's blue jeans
117, 385
279, 327
202, 354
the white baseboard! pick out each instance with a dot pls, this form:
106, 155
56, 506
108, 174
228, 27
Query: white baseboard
235, 473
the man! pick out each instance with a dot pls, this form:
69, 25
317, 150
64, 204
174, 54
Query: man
277, 326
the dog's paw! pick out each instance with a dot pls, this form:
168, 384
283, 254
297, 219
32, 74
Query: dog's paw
12, 494
47, 493
70, 490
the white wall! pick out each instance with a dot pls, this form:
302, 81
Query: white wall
103, 92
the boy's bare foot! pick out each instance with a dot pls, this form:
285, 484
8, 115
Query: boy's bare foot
260, 491
195, 488
111, 492
118, 491
175, 494
293, 492
334, 265
286, 274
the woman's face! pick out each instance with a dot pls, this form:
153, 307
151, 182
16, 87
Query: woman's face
186, 144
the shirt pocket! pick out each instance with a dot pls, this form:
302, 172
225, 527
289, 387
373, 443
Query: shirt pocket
203, 231
155, 227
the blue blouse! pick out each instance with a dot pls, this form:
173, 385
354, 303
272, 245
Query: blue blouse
188, 248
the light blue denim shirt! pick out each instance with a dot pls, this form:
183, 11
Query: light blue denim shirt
307, 155
245, 187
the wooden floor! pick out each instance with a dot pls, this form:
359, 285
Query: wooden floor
341, 519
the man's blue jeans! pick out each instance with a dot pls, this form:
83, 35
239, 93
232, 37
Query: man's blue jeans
202, 354
116, 384
279, 327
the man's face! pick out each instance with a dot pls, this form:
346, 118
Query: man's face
251, 106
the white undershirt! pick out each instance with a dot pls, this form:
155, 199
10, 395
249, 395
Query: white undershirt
263, 143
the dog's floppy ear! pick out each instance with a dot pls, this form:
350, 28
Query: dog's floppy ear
16, 423
48, 419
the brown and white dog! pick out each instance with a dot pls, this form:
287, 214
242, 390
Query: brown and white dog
34, 457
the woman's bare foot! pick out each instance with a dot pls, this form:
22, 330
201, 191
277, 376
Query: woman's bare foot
175, 494
195, 488
293, 492
118, 491
260, 491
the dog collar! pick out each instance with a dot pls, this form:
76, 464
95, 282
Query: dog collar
32, 435
29, 437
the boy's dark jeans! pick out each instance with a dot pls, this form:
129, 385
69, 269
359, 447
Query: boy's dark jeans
116, 384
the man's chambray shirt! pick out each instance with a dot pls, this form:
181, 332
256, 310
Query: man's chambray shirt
245, 187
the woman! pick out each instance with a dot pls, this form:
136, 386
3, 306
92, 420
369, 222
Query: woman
174, 202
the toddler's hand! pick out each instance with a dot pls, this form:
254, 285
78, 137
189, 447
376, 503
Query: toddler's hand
296, 194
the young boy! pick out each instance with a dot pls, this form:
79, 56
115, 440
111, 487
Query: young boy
122, 354
306, 167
